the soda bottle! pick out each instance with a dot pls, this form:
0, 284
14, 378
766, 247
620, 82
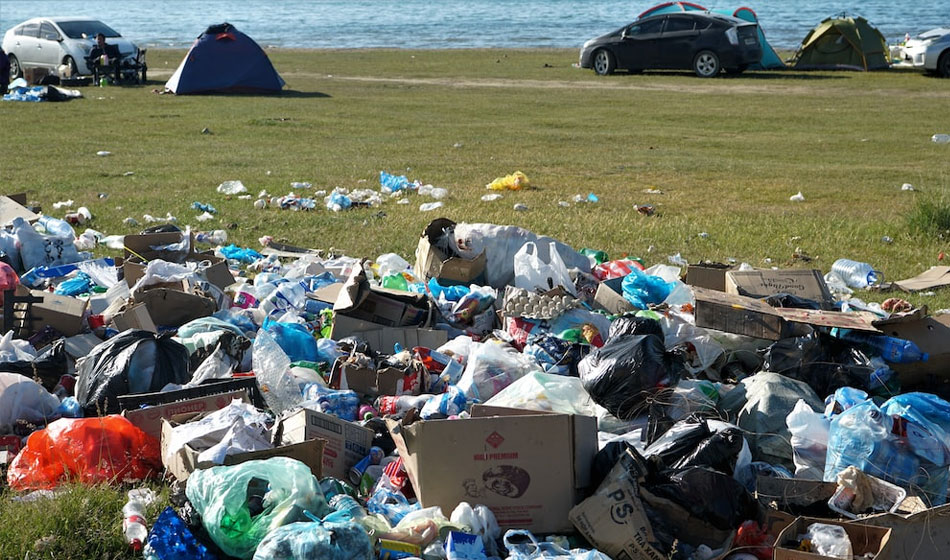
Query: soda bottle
389, 406
133, 521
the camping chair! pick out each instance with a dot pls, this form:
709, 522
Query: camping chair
132, 69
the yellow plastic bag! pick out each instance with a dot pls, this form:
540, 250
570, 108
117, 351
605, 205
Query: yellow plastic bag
514, 182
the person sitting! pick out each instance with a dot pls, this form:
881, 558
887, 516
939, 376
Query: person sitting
103, 59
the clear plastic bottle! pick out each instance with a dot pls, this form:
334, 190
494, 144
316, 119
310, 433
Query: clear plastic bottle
854, 436
856, 274
940, 138
133, 521
216, 237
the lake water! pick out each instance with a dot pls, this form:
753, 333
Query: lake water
448, 23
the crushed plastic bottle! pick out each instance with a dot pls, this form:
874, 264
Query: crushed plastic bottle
940, 138
133, 517
300, 185
429, 206
491, 197
216, 237
437, 193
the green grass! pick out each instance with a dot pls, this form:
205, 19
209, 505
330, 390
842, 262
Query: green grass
727, 154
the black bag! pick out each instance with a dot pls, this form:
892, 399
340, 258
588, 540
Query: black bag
134, 361
625, 372
825, 363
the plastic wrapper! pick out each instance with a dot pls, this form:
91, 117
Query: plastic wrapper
491, 367
523, 545
308, 541
642, 289
829, 541
294, 339
21, 398
626, 371
104, 450
131, 362
554, 354
236, 428
171, 539
239, 505
480, 521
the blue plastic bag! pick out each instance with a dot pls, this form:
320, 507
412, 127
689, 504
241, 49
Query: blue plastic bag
81, 283
642, 289
171, 539
306, 541
240, 254
294, 339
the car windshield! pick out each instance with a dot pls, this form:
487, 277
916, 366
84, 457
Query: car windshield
75, 29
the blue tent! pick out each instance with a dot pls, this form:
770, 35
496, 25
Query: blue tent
770, 60
223, 59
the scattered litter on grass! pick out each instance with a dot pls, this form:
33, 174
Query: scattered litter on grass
62, 204
232, 187
907, 187
520, 207
514, 182
429, 206
103, 153
491, 197
797, 197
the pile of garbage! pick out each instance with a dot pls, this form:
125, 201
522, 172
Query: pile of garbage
502, 396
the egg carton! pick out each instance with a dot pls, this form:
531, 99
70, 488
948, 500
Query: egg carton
522, 303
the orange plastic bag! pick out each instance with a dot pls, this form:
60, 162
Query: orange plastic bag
89, 450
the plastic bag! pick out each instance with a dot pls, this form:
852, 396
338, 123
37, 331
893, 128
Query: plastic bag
532, 273
21, 398
15, 350
241, 504
625, 372
104, 450
37, 249
642, 289
9, 249
308, 541
171, 539
712, 496
47, 367
480, 521
809, 430
853, 436
294, 339
829, 540
523, 545
492, 367
132, 362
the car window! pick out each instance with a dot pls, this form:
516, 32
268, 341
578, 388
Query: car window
29, 30
76, 29
675, 24
645, 27
47, 31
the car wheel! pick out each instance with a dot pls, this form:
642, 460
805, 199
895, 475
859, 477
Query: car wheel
15, 70
943, 65
706, 64
604, 62
71, 63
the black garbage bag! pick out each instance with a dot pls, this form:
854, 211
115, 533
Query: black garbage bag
629, 324
134, 361
47, 368
679, 441
719, 452
792, 301
823, 362
712, 496
626, 371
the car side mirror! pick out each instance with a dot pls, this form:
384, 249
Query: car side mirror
52, 37
624, 34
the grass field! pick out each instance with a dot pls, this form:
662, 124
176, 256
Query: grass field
726, 153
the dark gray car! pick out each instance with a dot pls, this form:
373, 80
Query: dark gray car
703, 42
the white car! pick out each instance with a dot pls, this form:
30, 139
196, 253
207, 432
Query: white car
930, 50
52, 42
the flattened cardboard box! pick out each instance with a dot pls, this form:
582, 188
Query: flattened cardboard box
804, 283
63, 313
867, 542
149, 419
389, 308
527, 467
347, 443
186, 461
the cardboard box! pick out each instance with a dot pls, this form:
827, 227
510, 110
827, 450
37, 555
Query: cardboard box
711, 276
134, 317
865, 539
173, 307
347, 443
924, 535
930, 334
615, 518
217, 273
185, 461
804, 283
608, 296
382, 338
10, 210
375, 382
753, 317
432, 262
528, 467
149, 419
934, 277
63, 313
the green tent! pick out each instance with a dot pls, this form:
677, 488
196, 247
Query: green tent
843, 43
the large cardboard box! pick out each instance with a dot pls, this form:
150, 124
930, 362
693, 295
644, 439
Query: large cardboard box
149, 419
216, 271
347, 443
608, 297
185, 461
711, 276
867, 541
175, 306
432, 262
63, 313
804, 283
382, 338
369, 382
528, 467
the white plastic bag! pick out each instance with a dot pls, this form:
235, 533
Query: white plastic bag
809, 441
21, 398
37, 249
532, 273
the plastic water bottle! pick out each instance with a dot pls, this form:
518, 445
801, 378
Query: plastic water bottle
941, 138
892, 350
133, 521
856, 274
854, 436
216, 237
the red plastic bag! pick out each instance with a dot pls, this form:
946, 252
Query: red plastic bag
615, 269
107, 449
